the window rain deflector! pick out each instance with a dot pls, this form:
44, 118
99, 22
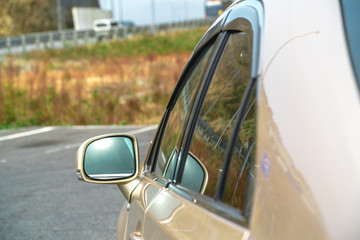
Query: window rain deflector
214, 60
174, 98
213, 41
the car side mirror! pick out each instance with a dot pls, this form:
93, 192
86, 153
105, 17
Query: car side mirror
195, 175
108, 159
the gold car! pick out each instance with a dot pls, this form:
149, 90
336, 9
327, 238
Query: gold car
261, 137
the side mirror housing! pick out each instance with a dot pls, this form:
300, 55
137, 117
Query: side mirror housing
112, 158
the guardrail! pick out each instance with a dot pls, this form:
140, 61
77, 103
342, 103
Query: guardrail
70, 38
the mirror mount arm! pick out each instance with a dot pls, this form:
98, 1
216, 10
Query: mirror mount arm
79, 176
127, 189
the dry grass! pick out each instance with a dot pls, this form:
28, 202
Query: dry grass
124, 82
118, 91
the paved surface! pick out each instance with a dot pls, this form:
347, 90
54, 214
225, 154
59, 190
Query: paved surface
40, 196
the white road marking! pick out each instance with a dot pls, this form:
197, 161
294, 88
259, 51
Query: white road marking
85, 127
76, 145
141, 130
53, 150
28, 133
3, 161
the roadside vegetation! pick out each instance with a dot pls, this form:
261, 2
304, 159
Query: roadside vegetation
123, 82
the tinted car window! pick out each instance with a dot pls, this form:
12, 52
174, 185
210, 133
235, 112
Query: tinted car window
168, 152
215, 122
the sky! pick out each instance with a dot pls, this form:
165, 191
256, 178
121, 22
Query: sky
166, 11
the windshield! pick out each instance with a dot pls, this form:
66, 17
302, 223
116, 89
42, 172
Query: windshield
351, 10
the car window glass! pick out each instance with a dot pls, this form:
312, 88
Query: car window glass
220, 108
241, 175
171, 137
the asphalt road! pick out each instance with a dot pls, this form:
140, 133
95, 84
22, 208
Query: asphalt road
40, 196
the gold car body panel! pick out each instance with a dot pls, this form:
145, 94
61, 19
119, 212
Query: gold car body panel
159, 213
176, 217
308, 176
131, 219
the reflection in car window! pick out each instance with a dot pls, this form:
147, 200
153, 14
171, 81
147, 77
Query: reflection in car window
220, 108
175, 124
195, 175
241, 176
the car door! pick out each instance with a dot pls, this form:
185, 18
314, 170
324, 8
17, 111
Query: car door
171, 127
199, 173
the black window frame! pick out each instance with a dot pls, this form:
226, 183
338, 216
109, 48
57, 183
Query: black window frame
191, 124
151, 161
216, 204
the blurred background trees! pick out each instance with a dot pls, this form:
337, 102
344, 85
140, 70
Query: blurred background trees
25, 16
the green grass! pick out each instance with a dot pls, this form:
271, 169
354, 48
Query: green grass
174, 42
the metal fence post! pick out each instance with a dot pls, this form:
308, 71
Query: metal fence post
62, 37
115, 33
125, 31
86, 37
23, 44
8, 44
75, 38
37, 41
51, 39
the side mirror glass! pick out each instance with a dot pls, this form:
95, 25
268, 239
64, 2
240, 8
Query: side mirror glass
108, 158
